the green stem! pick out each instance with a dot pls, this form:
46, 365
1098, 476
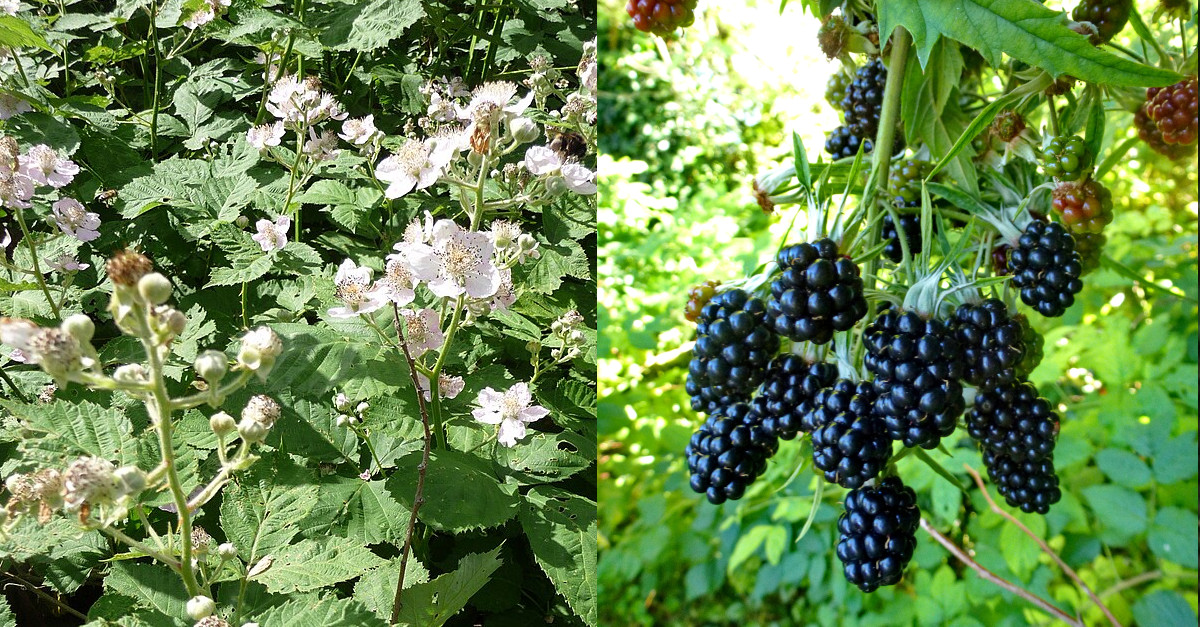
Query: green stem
435, 392
37, 268
287, 202
157, 84
16, 391
889, 116
1053, 115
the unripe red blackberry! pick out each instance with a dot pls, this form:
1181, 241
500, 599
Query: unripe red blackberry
992, 342
661, 17
1067, 158
877, 533
1153, 137
817, 293
698, 297
1012, 420
1174, 111
917, 365
863, 102
790, 384
1046, 268
850, 443
1090, 247
733, 346
1029, 485
728, 453
1083, 206
1108, 16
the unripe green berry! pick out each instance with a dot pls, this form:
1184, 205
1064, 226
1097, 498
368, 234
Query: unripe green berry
1067, 158
155, 288
199, 607
251, 431
80, 327
222, 424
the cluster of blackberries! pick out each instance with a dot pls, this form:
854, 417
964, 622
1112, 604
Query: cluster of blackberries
817, 293
877, 533
728, 453
1067, 158
733, 346
862, 103
1108, 16
791, 382
1173, 110
1046, 268
1085, 206
1016, 430
918, 364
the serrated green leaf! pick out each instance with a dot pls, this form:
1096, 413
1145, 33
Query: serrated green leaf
152, 586
261, 513
326, 611
547, 457
1173, 536
461, 493
432, 604
16, 33
1163, 607
1121, 511
359, 510
6, 616
561, 527
368, 25
377, 589
77, 429
1026, 31
1123, 467
312, 564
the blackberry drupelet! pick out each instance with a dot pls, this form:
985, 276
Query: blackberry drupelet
1034, 344
877, 533
1029, 485
850, 444
904, 182
835, 89
863, 101
790, 384
1174, 111
733, 346
1108, 16
993, 343
1067, 158
1012, 421
842, 143
728, 453
917, 364
1046, 268
661, 17
911, 225
816, 294
1085, 206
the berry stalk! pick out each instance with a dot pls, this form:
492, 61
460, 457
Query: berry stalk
886, 134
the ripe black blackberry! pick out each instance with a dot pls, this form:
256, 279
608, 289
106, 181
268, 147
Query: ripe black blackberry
1067, 158
1046, 268
917, 364
1011, 420
863, 101
842, 143
1108, 16
851, 444
911, 225
661, 17
728, 453
877, 533
733, 346
791, 382
1029, 485
993, 343
1174, 111
818, 292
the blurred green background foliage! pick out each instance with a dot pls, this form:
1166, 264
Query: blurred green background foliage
684, 127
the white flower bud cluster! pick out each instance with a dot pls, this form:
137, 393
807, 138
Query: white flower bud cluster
87, 483
568, 330
348, 415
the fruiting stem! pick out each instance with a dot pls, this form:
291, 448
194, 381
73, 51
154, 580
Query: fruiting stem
37, 269
884, 137
1041, 543
988, 575
1053, 115
419, 498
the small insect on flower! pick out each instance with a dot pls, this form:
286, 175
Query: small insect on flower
106, 197
568, 144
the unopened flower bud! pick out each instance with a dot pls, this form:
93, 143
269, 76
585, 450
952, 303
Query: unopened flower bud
176, 321
362, 407
556, 186
576, 337
131, 373
212, 366
242, 222
227, 551
341, 402
130, 480
200, 607
251, 431
80, 327
155, 288
260, 347
524, 130
222, 424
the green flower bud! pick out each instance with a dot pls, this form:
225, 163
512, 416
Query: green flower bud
130, 480
524, 130
227, 551
176, 321
556, 186
155, 288
222, 424
80, 327
251, 430
212, 366
200, 607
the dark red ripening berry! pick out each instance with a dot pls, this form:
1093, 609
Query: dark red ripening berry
1153, 137
1084, 207
661, 17
1108, 16
1174, 111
